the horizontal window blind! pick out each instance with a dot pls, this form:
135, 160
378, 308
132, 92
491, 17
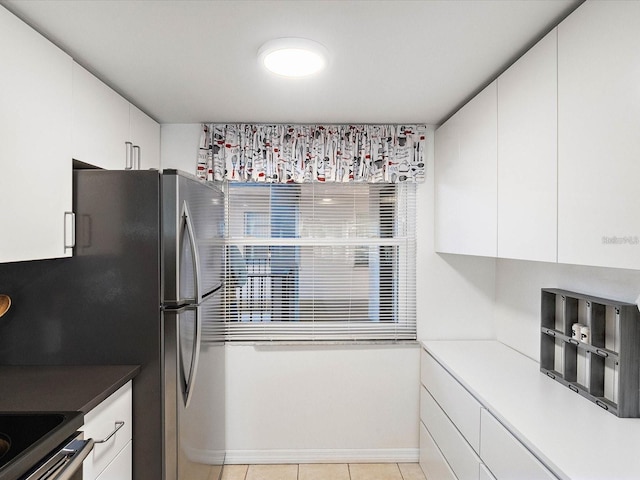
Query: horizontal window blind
320, 262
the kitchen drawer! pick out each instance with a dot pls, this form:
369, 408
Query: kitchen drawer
505, 455
459, 405
485, 474
432, 462
121, 466
463, 460
100, 422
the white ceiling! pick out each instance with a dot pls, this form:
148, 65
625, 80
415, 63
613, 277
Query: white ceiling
186, 61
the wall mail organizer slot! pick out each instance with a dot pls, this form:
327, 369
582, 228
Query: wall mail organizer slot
592, 346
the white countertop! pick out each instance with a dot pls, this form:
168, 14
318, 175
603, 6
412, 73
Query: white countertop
575, 438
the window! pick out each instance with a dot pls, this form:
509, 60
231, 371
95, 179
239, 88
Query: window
320, 261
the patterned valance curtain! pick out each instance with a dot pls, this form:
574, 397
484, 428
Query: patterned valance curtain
312, 153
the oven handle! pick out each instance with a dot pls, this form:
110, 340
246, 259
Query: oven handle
76, 452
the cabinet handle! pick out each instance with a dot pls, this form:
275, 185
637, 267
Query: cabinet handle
136, 157
119, 425
69, 225
128, 159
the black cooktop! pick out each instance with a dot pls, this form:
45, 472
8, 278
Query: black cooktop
26, 438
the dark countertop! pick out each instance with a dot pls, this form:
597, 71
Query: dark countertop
60, 388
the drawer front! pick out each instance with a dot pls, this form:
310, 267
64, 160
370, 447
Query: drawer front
463, 460
485, 474
432, 461
506, 457
100, 422
453, 398
121, 466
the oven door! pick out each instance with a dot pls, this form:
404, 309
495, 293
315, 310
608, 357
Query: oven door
64, 463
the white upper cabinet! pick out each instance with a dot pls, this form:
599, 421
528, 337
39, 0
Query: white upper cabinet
108, 131
100, 122
599, 139
35, 151
527, 155
466, 178
145, 137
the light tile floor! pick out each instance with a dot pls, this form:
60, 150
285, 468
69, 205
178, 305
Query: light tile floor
338, 471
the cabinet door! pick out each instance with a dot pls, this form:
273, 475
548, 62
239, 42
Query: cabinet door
100, 422
507, 458
527, 155
460, 456
121, 466
599, 144
466, 179
432, 462
459, 405
35, 151
145, 134
100, 122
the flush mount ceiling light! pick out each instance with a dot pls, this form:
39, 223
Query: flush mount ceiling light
293, 57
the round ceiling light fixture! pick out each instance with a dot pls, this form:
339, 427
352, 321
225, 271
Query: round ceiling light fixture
293, 57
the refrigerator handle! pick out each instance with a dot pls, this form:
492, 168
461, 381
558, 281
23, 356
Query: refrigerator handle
188, 225
195, 360
188, 381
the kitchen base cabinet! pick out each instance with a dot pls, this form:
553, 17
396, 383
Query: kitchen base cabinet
460, 456
110, 425
452, 421
432, 462
507, 458
35, 150
485, 474
120, 467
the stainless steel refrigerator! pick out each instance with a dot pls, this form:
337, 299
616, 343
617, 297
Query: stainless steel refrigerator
144, 287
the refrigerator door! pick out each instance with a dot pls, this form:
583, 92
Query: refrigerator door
194, 397
193, 227
201, 422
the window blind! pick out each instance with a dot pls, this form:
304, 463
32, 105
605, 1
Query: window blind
320, 262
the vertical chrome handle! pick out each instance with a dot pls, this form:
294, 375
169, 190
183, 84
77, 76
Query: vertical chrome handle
195, 258
136, 158
187, 380
70, 228
128, 159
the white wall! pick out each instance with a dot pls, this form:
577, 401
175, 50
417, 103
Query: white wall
518, 285
323, 403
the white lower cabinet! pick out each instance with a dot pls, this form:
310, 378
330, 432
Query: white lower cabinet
120, 467
110, 425
460, 456
505, 455
457, 403
461, 439
432, 462
485, 474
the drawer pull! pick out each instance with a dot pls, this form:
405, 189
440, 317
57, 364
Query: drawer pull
119, 425
551, 375
574, 388
602, 404
601, 353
